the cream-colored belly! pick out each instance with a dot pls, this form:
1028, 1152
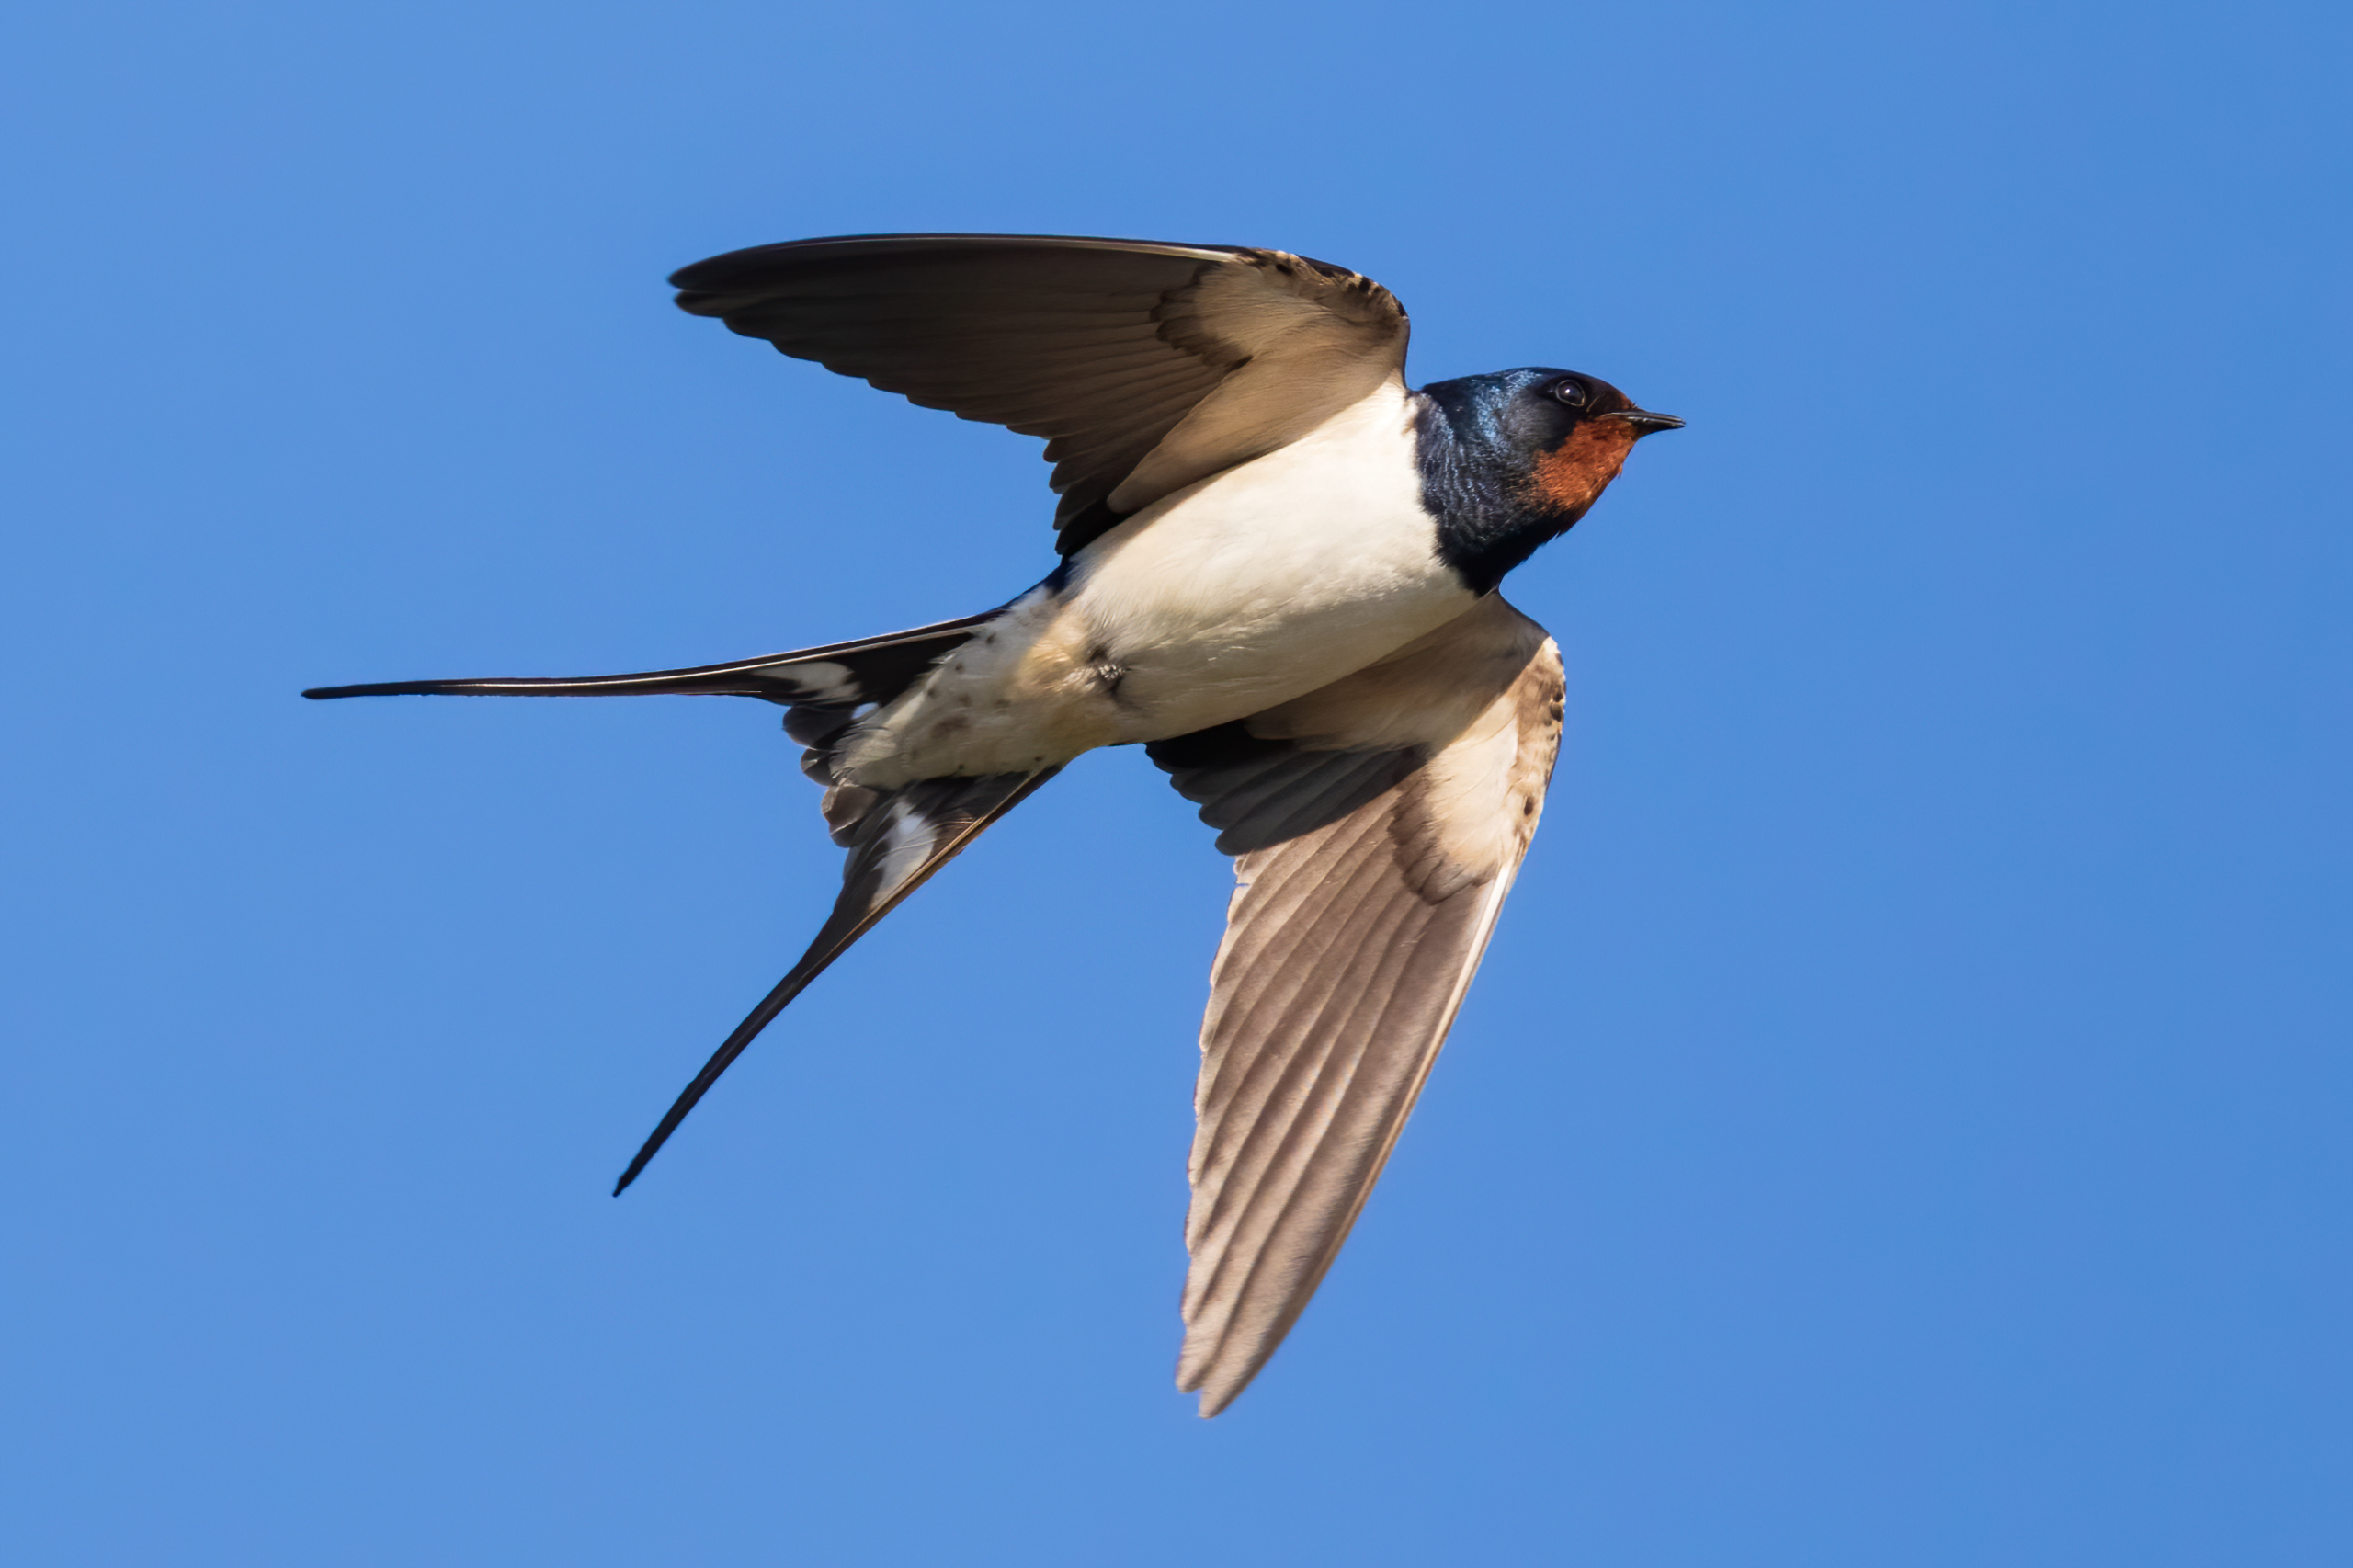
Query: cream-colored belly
1254, 587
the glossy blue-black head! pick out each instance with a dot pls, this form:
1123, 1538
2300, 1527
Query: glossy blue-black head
1513, 459
1535, 411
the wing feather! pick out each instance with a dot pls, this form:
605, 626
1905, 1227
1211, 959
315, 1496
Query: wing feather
1145, 366
1357, 920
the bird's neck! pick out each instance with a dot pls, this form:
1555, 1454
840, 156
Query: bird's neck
1492, 503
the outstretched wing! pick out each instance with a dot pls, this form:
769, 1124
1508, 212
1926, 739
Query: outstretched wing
1145, 366
1378, 824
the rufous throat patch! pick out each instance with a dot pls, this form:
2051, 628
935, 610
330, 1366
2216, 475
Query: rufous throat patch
1573, 475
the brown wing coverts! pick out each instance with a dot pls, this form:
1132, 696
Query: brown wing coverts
1347, 950
1105, 347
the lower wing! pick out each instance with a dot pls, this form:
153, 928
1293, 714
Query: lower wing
1377, 824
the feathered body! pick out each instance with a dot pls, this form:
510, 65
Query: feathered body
1278, 575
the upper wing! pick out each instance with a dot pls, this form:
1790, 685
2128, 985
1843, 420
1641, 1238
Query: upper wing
1145, 366
1378, 823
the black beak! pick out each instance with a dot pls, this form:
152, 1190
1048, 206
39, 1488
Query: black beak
1645, 423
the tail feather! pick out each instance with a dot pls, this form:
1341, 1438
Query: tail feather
899, 839
896, 837
838, 675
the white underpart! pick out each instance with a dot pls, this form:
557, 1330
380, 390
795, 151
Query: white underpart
1248, 588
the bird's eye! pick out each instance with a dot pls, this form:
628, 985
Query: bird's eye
1569, 391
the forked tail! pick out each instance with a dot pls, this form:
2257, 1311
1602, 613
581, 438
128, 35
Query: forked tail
896, 837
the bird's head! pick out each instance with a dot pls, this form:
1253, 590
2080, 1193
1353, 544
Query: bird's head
1554, 437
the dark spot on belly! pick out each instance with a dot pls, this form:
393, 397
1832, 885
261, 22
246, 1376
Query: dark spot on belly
1106, 673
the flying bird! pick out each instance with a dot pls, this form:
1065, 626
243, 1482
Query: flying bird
1279, 573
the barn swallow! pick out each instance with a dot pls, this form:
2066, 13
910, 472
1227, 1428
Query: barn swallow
1279, 573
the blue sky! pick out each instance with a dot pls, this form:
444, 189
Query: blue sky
1900, 1122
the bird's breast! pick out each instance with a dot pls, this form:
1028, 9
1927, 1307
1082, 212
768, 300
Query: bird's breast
1247, 589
